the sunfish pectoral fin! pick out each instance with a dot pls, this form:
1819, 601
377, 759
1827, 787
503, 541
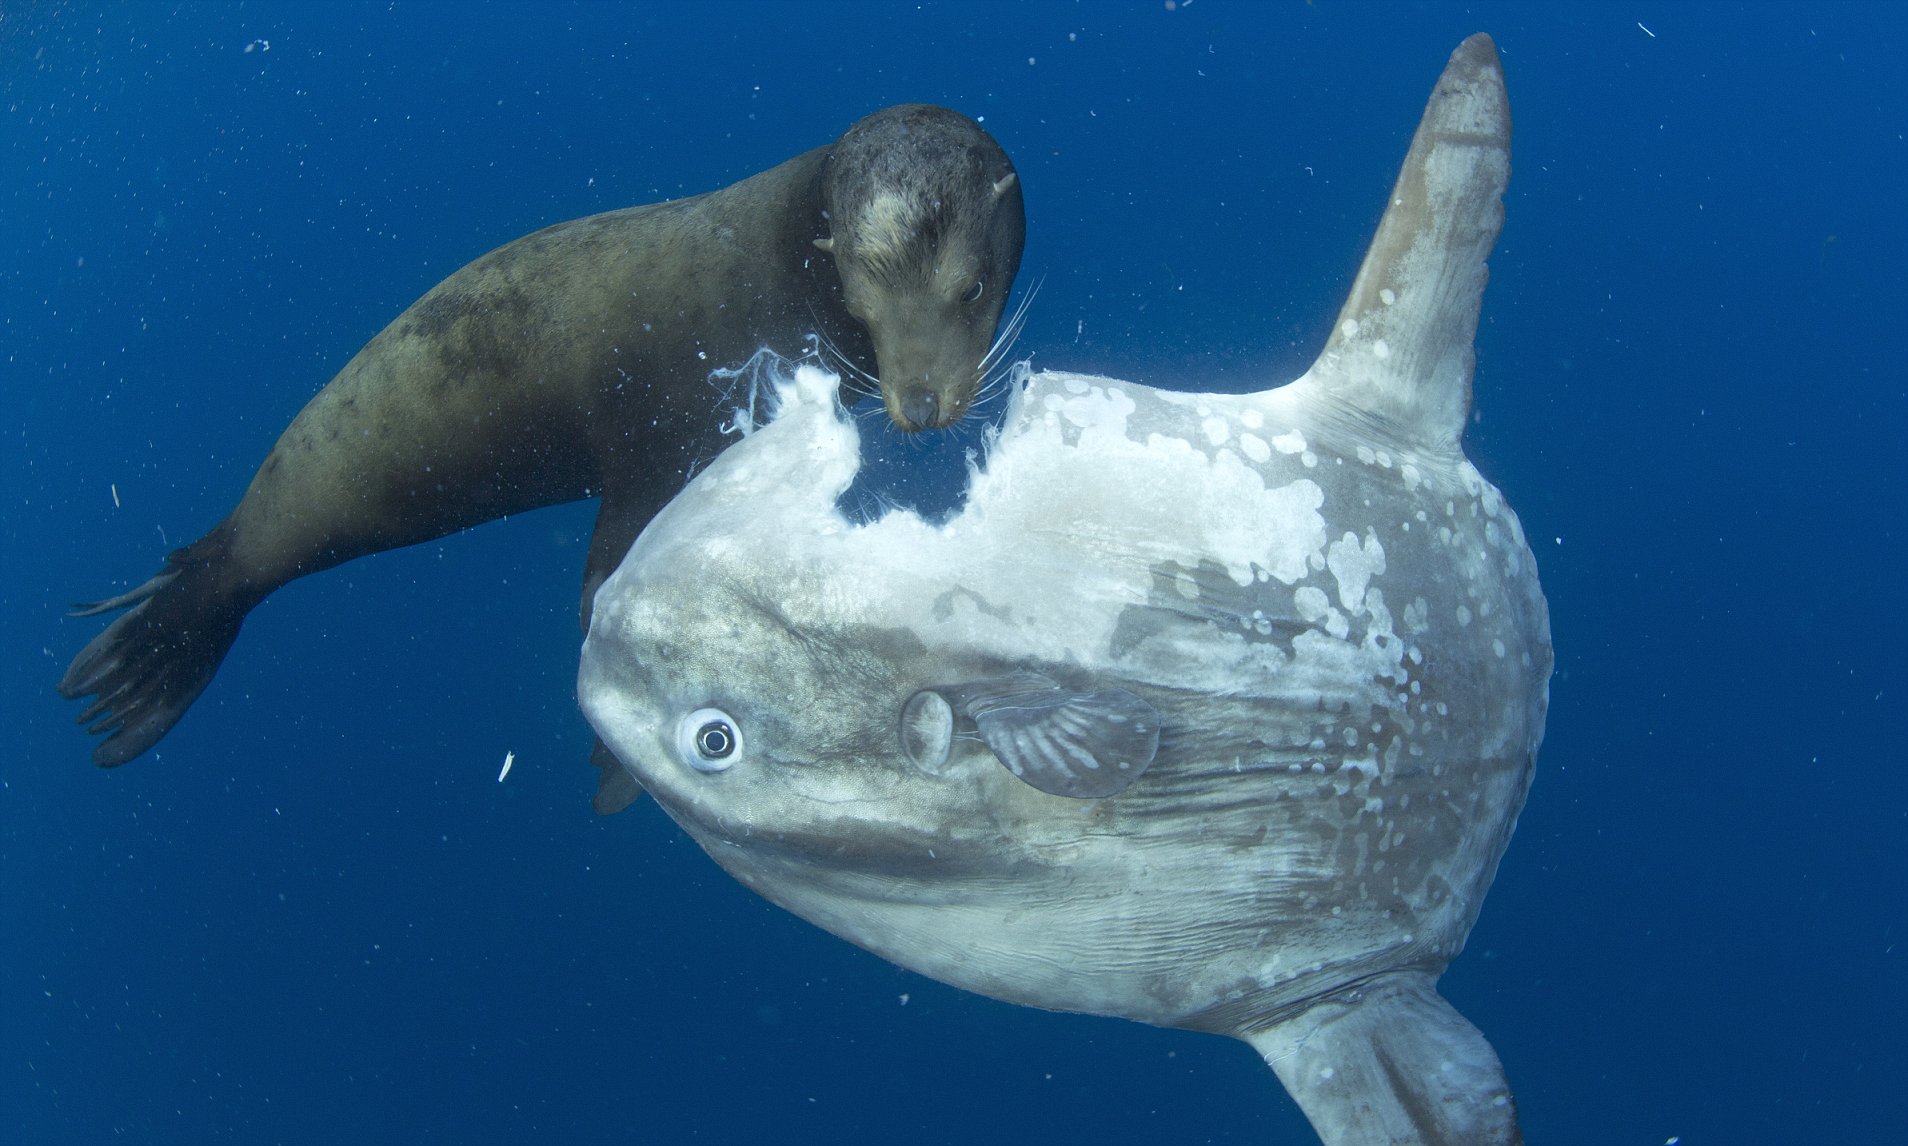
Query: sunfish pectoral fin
1080, 744
1402, 346
1391, 1061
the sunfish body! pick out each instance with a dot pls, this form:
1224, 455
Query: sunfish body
1210, 711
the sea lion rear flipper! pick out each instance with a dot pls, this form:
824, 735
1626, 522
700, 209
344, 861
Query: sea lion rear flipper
150, 664
1392, 1061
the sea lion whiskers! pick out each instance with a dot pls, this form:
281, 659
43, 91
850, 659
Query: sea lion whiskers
858, 382
1003, 380
996, 374
997, 370
994, 369
1010, 330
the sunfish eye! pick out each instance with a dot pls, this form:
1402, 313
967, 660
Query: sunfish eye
708, 740
715, 740
974, 292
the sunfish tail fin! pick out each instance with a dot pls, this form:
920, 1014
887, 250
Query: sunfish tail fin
1402, 348
154, 660
1392, 1062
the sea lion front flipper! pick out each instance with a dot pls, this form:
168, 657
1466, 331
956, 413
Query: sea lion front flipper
1085, 745
617, 524
150, 664
619, 518
1391, 1061
616, 789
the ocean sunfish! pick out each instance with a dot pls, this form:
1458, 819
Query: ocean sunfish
1209, 711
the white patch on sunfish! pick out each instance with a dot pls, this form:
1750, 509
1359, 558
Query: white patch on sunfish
1354, 565
1313, 607
1138, 491
1102, 408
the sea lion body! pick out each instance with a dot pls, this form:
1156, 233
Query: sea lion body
571, 362
576, 361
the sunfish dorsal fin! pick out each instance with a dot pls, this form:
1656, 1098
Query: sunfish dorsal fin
1402, 347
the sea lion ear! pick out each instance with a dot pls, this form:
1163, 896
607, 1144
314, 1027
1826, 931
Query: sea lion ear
1005, 182
1085, 745
826, 243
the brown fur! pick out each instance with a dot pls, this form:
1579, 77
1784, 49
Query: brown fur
575, 362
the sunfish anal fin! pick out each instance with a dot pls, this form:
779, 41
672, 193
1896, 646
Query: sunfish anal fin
1390, 1061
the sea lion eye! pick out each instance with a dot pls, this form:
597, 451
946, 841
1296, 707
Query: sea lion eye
708, 740
974, 292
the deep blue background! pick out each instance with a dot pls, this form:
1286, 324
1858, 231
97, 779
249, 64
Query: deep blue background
315, 916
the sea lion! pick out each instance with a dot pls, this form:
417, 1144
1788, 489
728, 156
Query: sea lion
576, 361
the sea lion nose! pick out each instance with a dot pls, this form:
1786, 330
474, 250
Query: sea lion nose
922, 409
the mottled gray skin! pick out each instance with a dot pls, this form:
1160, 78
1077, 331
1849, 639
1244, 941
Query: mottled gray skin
575, 362
1336, 620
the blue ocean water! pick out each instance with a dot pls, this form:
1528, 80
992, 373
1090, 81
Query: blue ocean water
314, 915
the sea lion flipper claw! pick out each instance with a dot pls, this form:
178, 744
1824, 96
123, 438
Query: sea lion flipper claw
147, 667
128, 598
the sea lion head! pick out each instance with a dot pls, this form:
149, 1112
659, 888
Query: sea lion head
926, 226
